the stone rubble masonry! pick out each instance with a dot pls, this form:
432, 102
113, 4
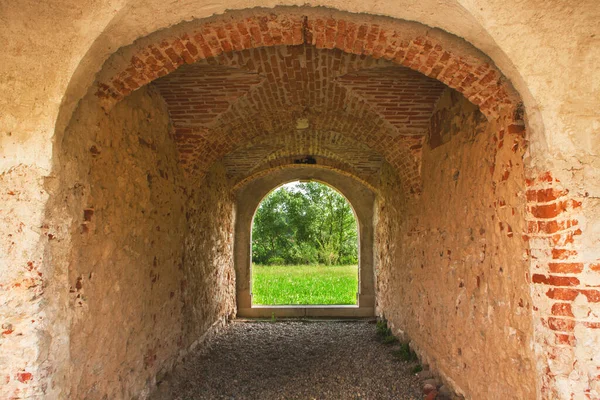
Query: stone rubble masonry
452, 266
124, 295
208, 284
143, 261
22, 280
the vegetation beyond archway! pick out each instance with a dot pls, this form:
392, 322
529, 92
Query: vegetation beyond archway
304, 247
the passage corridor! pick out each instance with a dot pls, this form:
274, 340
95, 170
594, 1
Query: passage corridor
138, 141
294, 360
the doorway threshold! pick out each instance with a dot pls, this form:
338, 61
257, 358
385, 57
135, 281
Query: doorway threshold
308, 311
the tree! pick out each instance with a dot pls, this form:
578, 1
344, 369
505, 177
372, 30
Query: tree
302, 224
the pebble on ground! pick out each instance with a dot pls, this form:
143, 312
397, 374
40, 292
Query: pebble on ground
293, 360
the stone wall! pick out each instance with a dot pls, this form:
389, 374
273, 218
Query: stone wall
128, 220
453, 266
148, 255
46, 71
22, 283
208, 285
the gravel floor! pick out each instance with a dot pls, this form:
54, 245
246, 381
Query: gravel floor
293, 360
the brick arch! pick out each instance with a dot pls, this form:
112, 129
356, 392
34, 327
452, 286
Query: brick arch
258, 127
432, 52
375, 138
200, 147
254, 94
289, 162
333, 146
369, 40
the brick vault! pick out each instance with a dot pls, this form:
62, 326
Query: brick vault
127, 228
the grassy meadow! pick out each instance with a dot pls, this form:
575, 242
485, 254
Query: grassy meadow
304, 284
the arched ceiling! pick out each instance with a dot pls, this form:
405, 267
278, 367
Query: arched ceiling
332, 149
282, 82
257, 105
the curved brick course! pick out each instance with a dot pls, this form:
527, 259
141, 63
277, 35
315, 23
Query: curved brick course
264, 69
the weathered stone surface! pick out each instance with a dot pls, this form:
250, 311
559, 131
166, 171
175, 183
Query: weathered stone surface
429, 388
445, 391
452, 266
22, 279
208, 283
150, 267
425, 374
126, 207
433, 382
47, 71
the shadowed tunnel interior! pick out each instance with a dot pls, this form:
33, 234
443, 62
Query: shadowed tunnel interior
184, 131
193, 152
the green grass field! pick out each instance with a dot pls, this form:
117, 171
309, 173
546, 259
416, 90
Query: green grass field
304, 284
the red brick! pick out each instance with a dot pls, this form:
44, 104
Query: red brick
592, 296
563, 254
545, 177
551, 226
516, 129
529, 182
563, 239
561, 324
212, 43
569, 268
562, 294
548, 210
562, 309
189, 113
555, 280
476, 78
24, 377
563, 338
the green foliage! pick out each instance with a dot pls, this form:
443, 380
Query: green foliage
384, 332
417, 368
302, 254
309, 223
390, 339
405, 353
306, 284
382, 328
347, 260
275, 261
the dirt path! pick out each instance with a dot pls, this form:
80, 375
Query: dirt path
293, 360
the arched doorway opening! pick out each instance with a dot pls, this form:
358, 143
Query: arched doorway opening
304, 247
360, 200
